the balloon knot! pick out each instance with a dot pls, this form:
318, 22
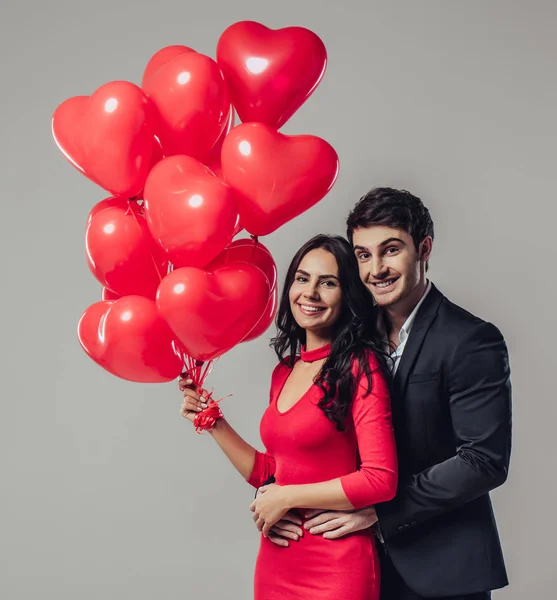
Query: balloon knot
208, 417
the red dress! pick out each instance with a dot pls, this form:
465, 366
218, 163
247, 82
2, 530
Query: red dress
303, 446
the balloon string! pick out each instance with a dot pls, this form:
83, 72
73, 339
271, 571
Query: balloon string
209, 368
197, 370
161, 277
255, 240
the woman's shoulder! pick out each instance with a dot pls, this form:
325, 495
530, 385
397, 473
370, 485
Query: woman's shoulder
284, 366
369, 356
370, 379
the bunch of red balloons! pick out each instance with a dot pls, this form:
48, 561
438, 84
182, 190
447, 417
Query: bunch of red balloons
184, 181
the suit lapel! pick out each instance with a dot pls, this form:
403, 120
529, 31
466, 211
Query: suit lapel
424, 318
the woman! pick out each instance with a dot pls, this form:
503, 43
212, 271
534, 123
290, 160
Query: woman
327, 430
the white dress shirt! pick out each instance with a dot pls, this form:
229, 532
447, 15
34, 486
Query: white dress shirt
405, 332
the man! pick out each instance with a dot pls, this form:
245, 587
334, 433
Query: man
451, 403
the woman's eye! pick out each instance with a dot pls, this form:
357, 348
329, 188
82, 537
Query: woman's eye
329, 283
301, 279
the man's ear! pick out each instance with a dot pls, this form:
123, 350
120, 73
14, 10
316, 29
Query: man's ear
426, 246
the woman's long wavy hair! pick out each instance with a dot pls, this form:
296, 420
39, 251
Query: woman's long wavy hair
354, 334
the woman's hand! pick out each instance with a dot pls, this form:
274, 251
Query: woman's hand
271, 504
194, 402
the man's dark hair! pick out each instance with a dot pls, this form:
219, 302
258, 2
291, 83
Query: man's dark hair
398, 209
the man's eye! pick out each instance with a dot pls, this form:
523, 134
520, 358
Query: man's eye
363, 256
391, 250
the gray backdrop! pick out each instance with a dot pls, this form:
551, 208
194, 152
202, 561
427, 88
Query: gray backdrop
106, 492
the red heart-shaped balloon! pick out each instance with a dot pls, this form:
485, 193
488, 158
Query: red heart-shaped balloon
107, 294
254, 253
266, 319
248, 251
155, 159
212, 312
112, 202
276, 177
88, 331
193, 104
190, 212
66, 130
270, 73
129, 339
120, 251
159, 59
108, 136
213, 160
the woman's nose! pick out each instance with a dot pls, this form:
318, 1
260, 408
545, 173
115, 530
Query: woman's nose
311, 292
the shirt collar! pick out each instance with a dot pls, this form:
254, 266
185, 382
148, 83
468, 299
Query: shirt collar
405, 329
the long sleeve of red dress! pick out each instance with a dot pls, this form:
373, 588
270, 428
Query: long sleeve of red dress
263, 468
376, 479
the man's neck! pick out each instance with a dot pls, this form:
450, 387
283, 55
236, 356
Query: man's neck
399, 312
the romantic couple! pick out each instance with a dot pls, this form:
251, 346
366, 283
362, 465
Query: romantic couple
388, 425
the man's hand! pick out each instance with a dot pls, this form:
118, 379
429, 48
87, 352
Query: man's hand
337, 524
288, 528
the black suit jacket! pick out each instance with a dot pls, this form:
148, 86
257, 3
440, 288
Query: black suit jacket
451, 400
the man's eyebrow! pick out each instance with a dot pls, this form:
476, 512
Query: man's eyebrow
383, 243
392, 239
